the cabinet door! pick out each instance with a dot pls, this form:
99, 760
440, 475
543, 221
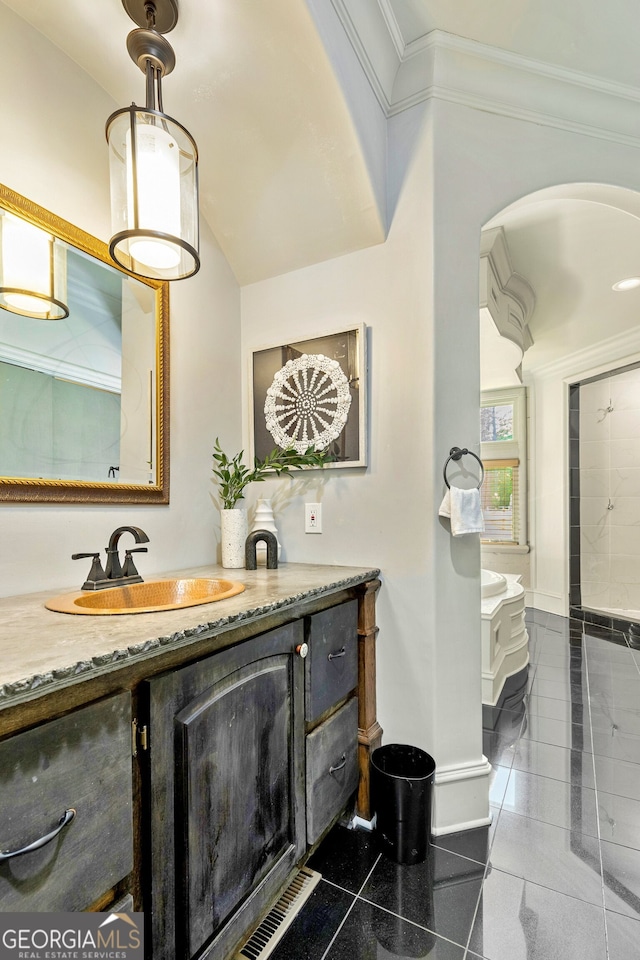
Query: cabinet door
227, 792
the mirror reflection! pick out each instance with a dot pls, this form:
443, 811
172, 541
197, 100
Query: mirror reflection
82, 397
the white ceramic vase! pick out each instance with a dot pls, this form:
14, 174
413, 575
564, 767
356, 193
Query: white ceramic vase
264, 520
233, 534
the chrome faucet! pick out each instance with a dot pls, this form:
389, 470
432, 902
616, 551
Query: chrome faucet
114, 575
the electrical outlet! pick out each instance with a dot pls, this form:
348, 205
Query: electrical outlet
313, 518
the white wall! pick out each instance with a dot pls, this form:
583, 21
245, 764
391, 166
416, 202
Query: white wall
386, 515
489, 162
419, 295
54, 152
377, 516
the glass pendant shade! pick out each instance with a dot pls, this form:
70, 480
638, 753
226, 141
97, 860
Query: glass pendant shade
33, 271
153, 165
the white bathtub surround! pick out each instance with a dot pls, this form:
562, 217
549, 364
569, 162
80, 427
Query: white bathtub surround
505, 641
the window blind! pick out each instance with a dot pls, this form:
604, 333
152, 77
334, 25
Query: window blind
499, 495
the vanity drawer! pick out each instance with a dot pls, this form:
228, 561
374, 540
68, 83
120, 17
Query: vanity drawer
332, 664
80, 762
332, 768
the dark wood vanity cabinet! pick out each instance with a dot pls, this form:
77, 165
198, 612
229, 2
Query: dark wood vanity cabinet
242, 780
201, 777
227, 791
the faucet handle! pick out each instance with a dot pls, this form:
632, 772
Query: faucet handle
96, 574
129, 568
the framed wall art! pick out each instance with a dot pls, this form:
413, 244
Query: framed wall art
312, 393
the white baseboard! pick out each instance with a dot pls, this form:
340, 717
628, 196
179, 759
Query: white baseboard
547, 602
461, 797
456, 828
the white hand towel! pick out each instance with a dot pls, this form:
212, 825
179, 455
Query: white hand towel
464, 509
445, 506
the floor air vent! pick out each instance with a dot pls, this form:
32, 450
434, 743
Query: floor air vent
276, 923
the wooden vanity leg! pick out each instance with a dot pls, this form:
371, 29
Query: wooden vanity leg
369, 730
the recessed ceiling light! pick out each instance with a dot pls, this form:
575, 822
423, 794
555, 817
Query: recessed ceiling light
630, 283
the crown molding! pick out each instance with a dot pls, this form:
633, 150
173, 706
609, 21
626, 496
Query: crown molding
622, 349
441, 66
60, 369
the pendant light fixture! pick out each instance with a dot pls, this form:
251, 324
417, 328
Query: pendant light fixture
33, 270
153, 162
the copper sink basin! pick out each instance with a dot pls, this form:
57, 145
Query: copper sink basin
146, 597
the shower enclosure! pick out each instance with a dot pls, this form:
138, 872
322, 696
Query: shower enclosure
605, 497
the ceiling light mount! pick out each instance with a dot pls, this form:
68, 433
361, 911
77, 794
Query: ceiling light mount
165, 13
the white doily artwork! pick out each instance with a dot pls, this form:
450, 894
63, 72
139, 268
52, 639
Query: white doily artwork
308, 403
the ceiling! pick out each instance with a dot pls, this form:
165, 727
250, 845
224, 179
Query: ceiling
594, 38
282, 175
572, 245
284, 181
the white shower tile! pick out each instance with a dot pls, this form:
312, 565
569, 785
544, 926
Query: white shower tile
622, 453
594, 483
595, 396
625, 569
625, 425
594, 426
624, 596
625, 540
595, 539
594, 594
626, 511
624, 482
594, 567
593, 511
625, 391
634, 596
595, 454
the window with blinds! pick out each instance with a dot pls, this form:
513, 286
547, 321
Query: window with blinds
503, 448
501, 501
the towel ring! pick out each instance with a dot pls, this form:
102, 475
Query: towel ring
456, 453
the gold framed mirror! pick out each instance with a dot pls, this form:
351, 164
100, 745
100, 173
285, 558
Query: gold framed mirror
84, 399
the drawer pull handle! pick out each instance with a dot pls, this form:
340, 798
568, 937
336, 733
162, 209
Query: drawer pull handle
340, 765
65, 819
334, 656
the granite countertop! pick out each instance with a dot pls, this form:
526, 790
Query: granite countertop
41, 650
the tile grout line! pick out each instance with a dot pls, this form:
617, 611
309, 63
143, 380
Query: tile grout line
595, 787
355, 900
414, 923
488, 862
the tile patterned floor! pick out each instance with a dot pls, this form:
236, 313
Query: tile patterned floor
556, 876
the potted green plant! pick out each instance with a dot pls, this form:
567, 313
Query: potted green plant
234, 476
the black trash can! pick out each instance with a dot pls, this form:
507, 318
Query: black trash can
402, 780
